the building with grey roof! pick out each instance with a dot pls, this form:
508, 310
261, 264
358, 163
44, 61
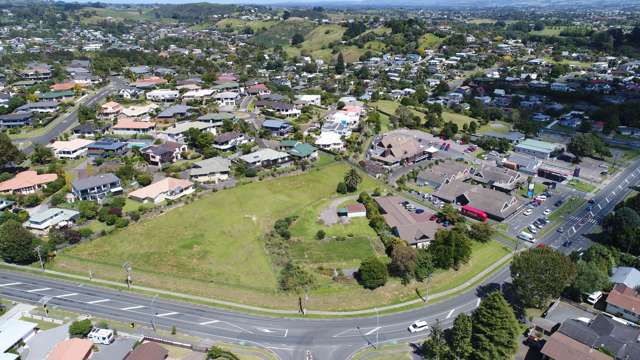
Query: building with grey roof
96, 188
52, 217
213, 170
266, 158
626, 275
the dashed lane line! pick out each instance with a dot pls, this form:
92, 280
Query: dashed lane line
209, 322
132, 307
10, 284
372, 330
168, 314
38, 290
66, 295
450, 313
97, 301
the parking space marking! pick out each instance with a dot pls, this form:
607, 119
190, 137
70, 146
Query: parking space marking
168, 314
66, 295
599, 207
608, 201
478, 302
98, 301
38, 290
132, 307
10, 284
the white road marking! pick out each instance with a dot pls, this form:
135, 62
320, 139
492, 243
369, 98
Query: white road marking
372, 330
286, 331
614, 193
627, 181
608, 201
478, 302
38, 290
98, 301
10, 284
66, 295
599, 207
450, 313
573, 228
209, 322
133, 307
168, 314
619, 187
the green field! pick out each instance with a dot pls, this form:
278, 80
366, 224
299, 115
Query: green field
239, 24
429, 41
549, 31
96, 15
282, 32
458, 119
581, 185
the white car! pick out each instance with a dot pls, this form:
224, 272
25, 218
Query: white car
547, 212
533, 229
418, 326
527, 212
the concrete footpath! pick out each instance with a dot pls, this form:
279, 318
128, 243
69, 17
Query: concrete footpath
434, 296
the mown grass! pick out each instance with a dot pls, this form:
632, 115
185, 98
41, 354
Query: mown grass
282, 32
581, 185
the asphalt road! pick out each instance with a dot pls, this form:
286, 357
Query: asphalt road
71, 118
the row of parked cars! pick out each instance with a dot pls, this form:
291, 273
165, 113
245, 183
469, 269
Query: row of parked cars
534, 228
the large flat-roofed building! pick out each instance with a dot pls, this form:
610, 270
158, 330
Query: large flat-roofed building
537, 148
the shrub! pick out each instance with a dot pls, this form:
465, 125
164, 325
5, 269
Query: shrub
251, 172
57, 199
80, 329
320, 234
372, 273
121, 223
134, 215
294, 278
144, 179
342, 188
85, 233
216, 352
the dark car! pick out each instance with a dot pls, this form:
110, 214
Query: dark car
558, 203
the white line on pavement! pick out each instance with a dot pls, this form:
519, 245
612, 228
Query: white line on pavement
66, 295
372, 330
167, 314
38, 290
478, 302
599, 207
98, 301
132, 307
209, 322
608, 201
450, 313
10, 284
614, 193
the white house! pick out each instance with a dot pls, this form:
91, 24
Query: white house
163, 95
329, 140
309, 99
52, 217
72, 149
198, 94
178, 131
226, 98
165, 189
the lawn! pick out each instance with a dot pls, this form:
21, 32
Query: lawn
239, 24
282, 32
568, 207
581, 185
549, 31
316, 42
500, 127
458, 119
429, 41
537, 189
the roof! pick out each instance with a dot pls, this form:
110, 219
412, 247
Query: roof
51, 215
168, 147
71, 349
17, 116
398, 147
148, 351
71, 145
537, 145
209, 166
108, 144
410, 227
184, 126
562, 347
174, 110
216, 116
275, 124
302, 150
439, 173
624, 297
163, 186
356, 208
12, 331
26, 179
56, 94
626, 275
226, 137
128, 123
263, 155
93, 181
38, 104
495, 203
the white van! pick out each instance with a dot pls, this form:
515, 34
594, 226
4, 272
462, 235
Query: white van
594, 297
101, 336
526, 237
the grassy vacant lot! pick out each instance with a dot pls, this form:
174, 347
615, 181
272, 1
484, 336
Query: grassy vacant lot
95, 15
549, 31
458, 119
282, 32
239, 24
429, 41
581, 185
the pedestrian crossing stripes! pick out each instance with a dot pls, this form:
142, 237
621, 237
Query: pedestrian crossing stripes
593, 220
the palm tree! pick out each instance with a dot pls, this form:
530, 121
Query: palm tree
352, 179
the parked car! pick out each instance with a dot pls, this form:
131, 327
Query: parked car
560, 230
533, 229
567, 243
101, 336
558, 203
526, 237
418, 326
433, 217
547, 212
527, 212
594, 297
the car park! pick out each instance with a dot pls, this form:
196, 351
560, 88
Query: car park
532, 228
527, 212
567, 243
526, 237
547, 211
418, 326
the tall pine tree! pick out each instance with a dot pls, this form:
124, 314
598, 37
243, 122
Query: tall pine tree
495, 329
340, 64
460, 339
435, 347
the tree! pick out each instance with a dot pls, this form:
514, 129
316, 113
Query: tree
495, 330
541, 274
320, 234
450, 214
9, 153
587, 145
342, 188
340, 67
80, 329
623, 230
403, 261
450, 248
435, 347
372, 273
295, 278
424, 264
481, 232
144, 179
216, 352
41, 155
589, 278
297, 39
17, 244
460, 338
352, 179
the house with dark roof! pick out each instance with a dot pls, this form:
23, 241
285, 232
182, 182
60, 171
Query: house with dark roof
443, 173
15, 120
230, 140
496, 178
169, 152
39, 107
148, 351
107, 147
495, 204
213, 170
277, 127
394, 149
299, 150
97, 187
90, 129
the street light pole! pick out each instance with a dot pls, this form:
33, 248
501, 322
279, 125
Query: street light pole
153, 313
37, 249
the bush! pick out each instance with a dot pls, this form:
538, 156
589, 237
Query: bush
342, 188
118, 202
85, 233
251, 172
144, 179
372, 273
134, 215
80, 329
294, 278
121, 223
320, 234
216, 352
57, 199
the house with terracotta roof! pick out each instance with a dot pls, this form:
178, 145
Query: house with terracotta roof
109, 110
149, 82
129, 127
64, 86
394, 149
165, 189
26, 182
148, 351
72, 349
258, 89
624, 302
72, 149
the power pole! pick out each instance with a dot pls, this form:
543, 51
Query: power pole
37, 250
127, 267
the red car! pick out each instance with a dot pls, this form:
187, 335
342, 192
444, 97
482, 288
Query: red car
433, 217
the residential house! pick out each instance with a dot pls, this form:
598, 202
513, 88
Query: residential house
97, 187
628, 276
26, 182
329, 140
230, 140
299, 150
175, 112
443, 173
213, 170
169, 152
149, 82
72, 349
308, 100
409, 225
266, 158
394, 149
129, 93
259, 90
277, 127
107, 147
14, 332
217, 119
130, 127
279, 107
36, 72
109, 110
140, 112
91, 130
72, 149
165, 189
52, 218
226, 98
57, 95
43, 107
148, 351
162, 95
6, 204
16, 120
198, 94
178, 131
624, 301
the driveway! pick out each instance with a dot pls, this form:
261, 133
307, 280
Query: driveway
329, 215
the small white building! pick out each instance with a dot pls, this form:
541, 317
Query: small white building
329, 140
72, 149
226, 98
165, 189
309, 99
162, 95
51, 218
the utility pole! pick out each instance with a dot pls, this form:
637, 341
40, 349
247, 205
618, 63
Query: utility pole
153, 313
37, 250
127, 267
